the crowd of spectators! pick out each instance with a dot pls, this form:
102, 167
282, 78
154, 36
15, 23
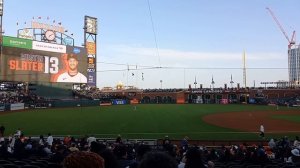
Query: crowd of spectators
91, 152
11, 93
162, 90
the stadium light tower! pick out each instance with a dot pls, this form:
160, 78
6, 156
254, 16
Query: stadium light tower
212, 82
1, 37
231, 81
195, 83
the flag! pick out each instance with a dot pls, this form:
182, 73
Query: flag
59, 23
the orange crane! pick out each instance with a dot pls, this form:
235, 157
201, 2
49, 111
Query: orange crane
292, 41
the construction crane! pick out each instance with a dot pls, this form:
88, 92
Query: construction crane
292, 41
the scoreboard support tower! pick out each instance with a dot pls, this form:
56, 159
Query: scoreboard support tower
90, 43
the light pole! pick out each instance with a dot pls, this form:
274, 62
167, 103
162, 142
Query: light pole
195, 83
1, 37
160, 84
213, 82
231, 81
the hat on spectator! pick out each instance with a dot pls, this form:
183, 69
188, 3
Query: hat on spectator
295, 152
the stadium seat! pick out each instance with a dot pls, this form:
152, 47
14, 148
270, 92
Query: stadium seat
31, 166
54, 165
10, 166
271, 166
20, 163
254, 166
5, 162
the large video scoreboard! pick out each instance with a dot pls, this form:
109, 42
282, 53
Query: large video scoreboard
34, 61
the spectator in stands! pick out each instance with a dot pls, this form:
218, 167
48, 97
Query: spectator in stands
194, 159
121, 152
110, 159
90, 140
50, 139
119, 139
184, 143
2, 129
158, 160
83, 160
182, 161
262, 131
272, 143
42, 140
295, 158
297, 142
59, 154
67, 140
73, 148
18, 132
140, 152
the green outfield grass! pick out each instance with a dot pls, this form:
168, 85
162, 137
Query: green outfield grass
292, 118
147, 121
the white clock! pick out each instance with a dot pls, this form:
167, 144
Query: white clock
50, 35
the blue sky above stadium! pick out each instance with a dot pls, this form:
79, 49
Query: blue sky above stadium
195, 38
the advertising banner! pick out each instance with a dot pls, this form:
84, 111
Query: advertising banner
44, 66
25, 34
17, 42
92, 78
224, 101
118, 102
48, 47
17, 106
91, 48
2, 107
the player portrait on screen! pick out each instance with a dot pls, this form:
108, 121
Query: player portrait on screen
72, 74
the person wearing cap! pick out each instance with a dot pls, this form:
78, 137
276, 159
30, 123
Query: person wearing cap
72, 74
262, 131
295, 158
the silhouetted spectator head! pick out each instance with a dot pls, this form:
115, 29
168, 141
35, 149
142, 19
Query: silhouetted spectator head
141, 151
158, 160
83, 160
110, 159
120, 151
97, 147
193, 158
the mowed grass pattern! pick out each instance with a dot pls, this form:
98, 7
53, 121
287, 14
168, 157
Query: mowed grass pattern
147, 121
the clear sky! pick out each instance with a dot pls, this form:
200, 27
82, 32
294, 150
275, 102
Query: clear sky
195, 38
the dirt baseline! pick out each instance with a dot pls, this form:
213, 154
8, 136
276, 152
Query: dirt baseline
250, 121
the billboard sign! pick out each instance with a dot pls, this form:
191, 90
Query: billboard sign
118, 102
48, 47
91, 48
17, 42
38, 25
68, 41
90, 24
43, 66
25, 34
17, 106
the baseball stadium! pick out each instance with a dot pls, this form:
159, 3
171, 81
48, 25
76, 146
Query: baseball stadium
52, 110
